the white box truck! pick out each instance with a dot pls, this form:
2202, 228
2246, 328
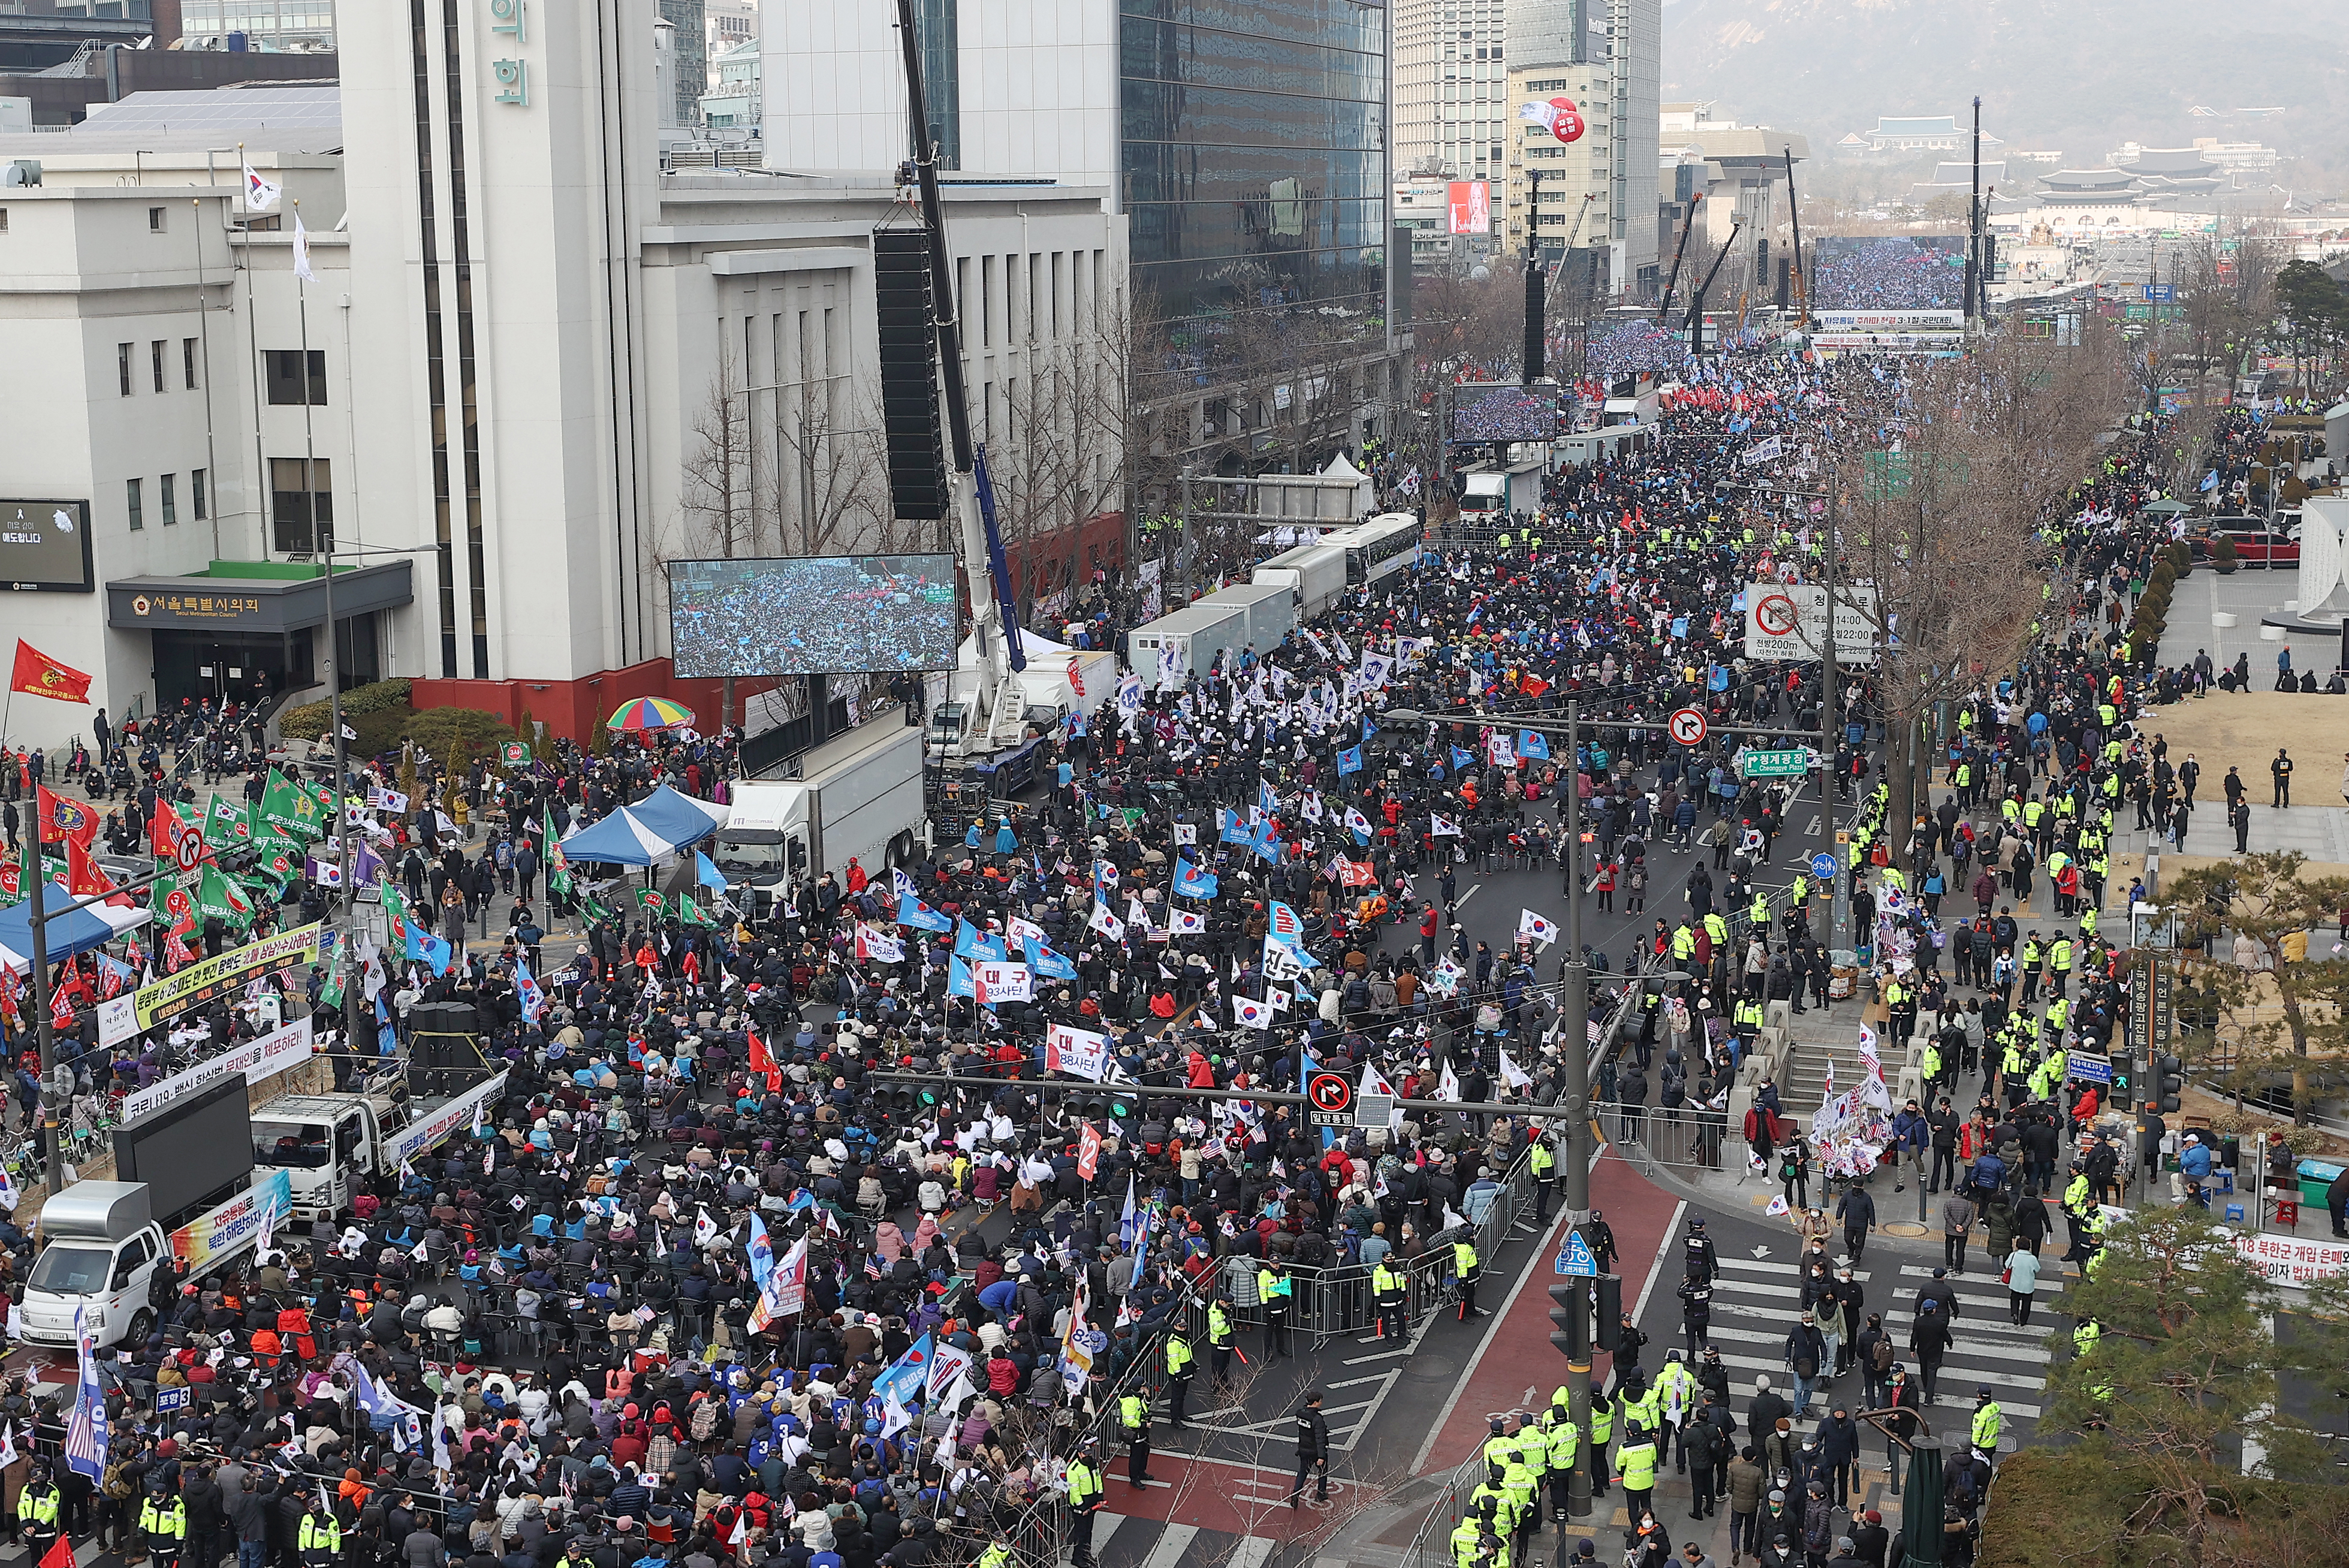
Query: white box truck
328, 1145
1314, 575
101, 1243
1269, 609
858, 797
1196, 635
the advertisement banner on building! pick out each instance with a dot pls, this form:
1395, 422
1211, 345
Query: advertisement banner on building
220, 1233
272, 1054
1471, 202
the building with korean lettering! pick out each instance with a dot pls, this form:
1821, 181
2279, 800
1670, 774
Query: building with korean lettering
532, 363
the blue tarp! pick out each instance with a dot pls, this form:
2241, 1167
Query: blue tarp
68, 932
655, 828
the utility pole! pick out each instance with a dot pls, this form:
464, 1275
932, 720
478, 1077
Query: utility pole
1574, 1094
1973, 220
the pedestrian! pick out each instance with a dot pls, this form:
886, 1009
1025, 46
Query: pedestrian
2022, 1280
1807, 1357
1312, 1451
1856, 1210
1957, 1225
2280, 771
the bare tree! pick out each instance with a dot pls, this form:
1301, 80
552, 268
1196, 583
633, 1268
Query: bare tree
715, 496
829, 488
1944, 524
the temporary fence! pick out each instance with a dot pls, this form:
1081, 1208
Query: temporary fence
1431, 1547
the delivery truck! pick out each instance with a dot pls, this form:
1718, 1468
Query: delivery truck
1269, 612
1314, 575
857, 797
101, 1242
330, 1146
1177, 647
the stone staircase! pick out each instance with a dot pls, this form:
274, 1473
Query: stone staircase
1802, 1084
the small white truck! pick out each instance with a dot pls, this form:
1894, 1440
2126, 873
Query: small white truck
101, 1244
327, 1146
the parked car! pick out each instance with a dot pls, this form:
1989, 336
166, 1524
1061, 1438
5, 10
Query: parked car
2256, 542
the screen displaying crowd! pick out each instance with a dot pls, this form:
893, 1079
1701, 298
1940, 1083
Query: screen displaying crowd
1920, 273
1490, 413
830, 612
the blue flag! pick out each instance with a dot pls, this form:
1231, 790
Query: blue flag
908, 1375
706, 872
1192, 882
958, 979
1533, 743
912, 912
1046, 963
1461, 758
1229, 828
970, 943
1349, 760
1265, 844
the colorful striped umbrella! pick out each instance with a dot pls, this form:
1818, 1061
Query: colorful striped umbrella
643, 713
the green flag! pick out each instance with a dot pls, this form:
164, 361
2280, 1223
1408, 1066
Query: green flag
394, 908
558, 864
291, 810
690, 912
652, 901
594, 907
219, 898
227, 826
330, 994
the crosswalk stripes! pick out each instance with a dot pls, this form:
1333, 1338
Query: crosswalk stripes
1991, 1350
1131, 1542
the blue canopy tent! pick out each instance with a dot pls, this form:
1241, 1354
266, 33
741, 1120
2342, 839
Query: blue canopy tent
65, 932
649, 831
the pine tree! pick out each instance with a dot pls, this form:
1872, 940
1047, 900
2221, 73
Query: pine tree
2184, 1377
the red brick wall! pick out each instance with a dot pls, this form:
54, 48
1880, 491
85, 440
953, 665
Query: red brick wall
573, 709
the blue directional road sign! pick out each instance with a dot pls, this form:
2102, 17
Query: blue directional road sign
1823, 865
2160, 294
1574, 1258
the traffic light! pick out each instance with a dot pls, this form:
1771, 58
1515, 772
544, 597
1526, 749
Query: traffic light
1570, 1319
2168, 1082
1609, 1311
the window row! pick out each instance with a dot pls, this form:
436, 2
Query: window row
166, 495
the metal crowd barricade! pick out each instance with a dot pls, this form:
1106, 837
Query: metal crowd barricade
1431, 1547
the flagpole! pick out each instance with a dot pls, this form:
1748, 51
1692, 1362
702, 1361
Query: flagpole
53, 1173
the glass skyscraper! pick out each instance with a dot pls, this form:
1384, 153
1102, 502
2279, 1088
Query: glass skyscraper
1253, 154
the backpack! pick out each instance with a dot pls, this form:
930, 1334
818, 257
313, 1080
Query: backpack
1881, 1357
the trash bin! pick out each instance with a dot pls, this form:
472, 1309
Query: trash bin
2315, 1176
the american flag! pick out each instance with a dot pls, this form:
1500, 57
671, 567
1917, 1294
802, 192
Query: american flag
872, 1267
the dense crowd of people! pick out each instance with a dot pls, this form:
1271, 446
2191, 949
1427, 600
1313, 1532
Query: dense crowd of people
706, 1283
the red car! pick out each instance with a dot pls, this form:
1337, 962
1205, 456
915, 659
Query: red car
2255, 544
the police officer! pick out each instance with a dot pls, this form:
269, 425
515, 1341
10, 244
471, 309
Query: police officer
1543, 1158
38, 1506
1219, 1338
998, 1553
1312, 1451
1084, 1500
1988, 1422
1387, 1287
1179, 1364
1272, 1289
1564, 1442
163, 1526
1466, 1270
1635, 1467
1134, 1415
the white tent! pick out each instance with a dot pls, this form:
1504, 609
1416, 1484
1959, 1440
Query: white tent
1046, 678
1365, 493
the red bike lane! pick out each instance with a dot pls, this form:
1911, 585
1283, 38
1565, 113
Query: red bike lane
1516, 1352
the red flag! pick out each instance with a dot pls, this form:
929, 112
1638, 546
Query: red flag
177, 949
59, 1554
1533, 686
61, 1011
83, 876
37, 675
64, 821
762, 1062
166, 831
1076, 676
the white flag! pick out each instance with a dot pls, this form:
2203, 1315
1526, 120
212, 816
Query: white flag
1513, 1075
1533, 925
1447, 1083
302, 250
260, 195
1777, 1206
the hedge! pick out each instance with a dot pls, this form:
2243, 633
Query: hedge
311, 720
